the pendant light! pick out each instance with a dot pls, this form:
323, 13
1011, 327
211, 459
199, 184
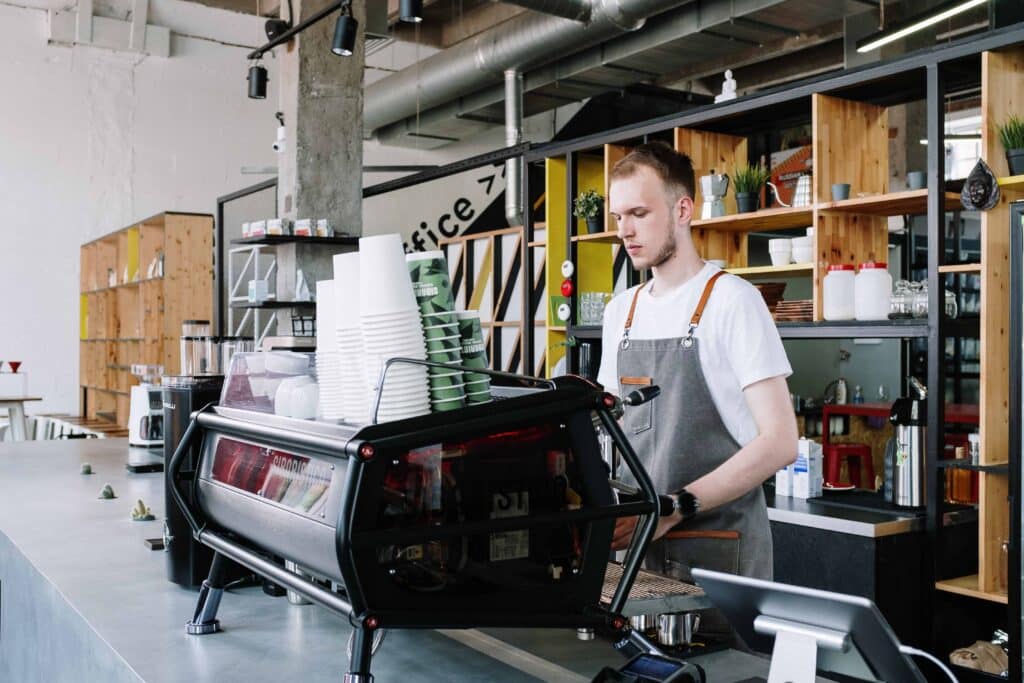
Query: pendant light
345, 32
410, 11
257, 82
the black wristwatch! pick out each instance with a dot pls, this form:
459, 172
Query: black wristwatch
685, 503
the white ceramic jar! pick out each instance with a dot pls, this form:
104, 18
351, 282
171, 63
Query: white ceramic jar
872, 291
838, 292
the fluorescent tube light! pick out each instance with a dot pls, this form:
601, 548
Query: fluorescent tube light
890, 35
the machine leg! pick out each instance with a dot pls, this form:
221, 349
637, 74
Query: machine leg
362, 651
205, 620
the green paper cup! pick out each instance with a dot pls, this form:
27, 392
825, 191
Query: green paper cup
478, 397
435, 319
469, 326
451, 356
442, 331
446, 381
476, 384
430, 282
447, 344
445, 406
451, 393
475, 360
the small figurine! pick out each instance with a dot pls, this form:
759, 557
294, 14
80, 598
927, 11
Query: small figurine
108, 492
728, 88
86, 468
141, 513
981, 189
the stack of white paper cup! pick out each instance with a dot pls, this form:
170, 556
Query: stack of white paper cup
328, 361
355, 401
390, 323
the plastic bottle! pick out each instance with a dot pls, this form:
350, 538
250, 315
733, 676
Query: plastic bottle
872, 291
838, 292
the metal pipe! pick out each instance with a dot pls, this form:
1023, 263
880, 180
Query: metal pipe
297, 29
513, 136
577, 10
521, 43
275, 573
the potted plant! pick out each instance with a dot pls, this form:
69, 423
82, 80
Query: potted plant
1011, 134
748, 181
588, 206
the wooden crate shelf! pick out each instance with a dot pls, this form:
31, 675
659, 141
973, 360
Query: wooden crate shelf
765, 220
961, 268
773, 271
909, 202
137, 285
1013, 182
968, 585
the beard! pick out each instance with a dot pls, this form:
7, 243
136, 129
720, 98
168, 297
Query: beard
666, 251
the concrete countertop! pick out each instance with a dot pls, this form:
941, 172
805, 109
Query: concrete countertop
86, 560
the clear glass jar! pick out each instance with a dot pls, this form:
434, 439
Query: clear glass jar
899, 302
919, 300
951, 308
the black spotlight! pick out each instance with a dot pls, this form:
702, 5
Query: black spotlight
411, 11
257, 82
345, 35
275, 27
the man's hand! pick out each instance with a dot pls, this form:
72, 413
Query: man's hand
626, 526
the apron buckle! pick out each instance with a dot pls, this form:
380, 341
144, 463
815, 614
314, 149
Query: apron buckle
624, 344
687, 341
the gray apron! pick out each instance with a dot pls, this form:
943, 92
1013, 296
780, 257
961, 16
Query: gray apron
679, 438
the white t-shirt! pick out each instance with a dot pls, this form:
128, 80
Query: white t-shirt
738, 341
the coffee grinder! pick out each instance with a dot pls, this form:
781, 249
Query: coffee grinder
146, 409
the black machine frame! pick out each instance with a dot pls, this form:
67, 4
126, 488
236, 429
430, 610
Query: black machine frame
572, 399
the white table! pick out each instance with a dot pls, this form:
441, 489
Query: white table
16, 414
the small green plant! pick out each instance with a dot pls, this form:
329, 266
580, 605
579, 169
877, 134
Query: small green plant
750, 178
587, 204
1011, 133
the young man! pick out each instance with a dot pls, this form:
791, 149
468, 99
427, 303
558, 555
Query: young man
723, 423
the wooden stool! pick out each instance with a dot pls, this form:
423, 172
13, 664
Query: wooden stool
856, 456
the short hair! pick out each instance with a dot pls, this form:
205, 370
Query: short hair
674, 168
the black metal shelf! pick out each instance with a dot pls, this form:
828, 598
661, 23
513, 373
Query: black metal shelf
275, 304
961, 327
347, 240
889, 329
966, 465
584, 331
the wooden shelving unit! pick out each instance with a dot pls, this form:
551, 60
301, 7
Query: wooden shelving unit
968, 585
137, 285
764, 220
909, 202
961, 268
608, 237
773, 271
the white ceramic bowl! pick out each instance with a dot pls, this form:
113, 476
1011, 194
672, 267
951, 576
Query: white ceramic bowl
803, 242
803, 255
781, 258
780, 244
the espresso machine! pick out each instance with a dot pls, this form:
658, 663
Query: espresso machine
905, 458
713, 189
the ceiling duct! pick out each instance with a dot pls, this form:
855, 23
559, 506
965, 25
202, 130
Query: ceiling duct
521, 43
577, 10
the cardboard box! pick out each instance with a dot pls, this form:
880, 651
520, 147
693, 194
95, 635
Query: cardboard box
808, 469
784, 481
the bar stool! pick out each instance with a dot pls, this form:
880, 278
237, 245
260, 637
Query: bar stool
857, 455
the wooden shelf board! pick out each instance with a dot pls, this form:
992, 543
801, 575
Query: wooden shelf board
105, 390
766, 219
610, 237
537, 243
968, 585
297, 239
1013, 182
556, 328
126, 284
768, 271
913, 202
961, 268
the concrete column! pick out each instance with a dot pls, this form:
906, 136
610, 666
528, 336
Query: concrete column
320, 172
321, 94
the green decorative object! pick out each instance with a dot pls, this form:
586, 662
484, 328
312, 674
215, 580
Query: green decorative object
1011, 134
108, 492
86, 468
587, 204
141, 513
748, 181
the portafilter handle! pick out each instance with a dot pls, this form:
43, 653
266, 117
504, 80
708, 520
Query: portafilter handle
641, 396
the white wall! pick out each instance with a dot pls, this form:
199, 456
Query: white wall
94, 140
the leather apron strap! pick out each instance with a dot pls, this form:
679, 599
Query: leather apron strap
694, 320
